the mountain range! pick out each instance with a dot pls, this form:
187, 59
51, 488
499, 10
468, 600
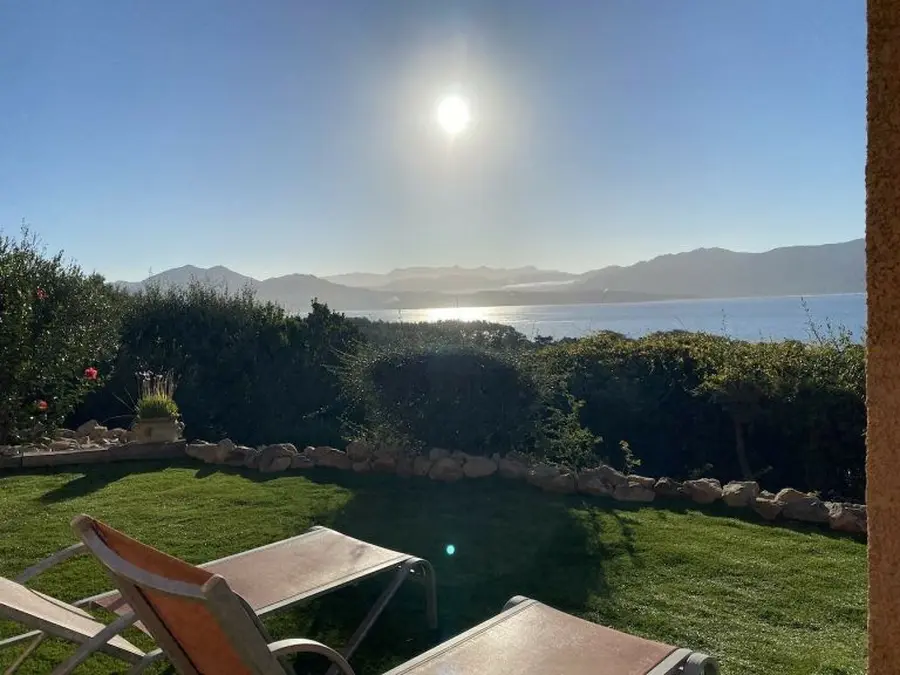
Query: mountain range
701, 273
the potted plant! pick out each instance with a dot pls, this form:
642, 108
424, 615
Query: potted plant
157, 413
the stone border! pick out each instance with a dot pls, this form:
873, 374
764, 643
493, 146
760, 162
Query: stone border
602, 481
121, 453
92, 443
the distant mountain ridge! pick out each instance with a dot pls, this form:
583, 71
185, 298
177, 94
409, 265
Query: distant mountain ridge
717, 272
701, 273
294, 292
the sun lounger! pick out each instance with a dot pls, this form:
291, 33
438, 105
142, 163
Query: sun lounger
205, 627
296, 570
49, 616
269, 578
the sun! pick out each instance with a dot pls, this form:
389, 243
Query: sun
453, 114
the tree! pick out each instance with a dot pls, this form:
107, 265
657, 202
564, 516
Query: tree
58, 327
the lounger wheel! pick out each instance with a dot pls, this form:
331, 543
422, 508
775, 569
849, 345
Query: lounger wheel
701, 664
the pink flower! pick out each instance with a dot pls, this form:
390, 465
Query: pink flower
41, 294
41, 405
90, 373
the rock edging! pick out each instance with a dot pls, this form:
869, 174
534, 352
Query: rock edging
449, 466
90, 443
93, 443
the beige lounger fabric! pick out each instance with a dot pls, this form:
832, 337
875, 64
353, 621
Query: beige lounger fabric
289, 571
57, 618
534, 639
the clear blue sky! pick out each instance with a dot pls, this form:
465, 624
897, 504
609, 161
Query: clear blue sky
284, 136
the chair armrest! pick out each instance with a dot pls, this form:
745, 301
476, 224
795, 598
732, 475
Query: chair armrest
50, 561
300, 645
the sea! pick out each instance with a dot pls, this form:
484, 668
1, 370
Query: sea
757, 319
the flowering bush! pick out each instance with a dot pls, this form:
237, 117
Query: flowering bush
57, 327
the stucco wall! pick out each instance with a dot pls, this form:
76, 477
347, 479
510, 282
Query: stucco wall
883, 280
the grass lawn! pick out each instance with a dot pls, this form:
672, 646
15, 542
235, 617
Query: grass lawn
763, 599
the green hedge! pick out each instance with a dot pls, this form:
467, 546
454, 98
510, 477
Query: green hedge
466, 397
243, 368
785, 413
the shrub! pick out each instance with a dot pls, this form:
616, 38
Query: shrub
785, 413
642, 392
59, 328
244, 368
156, 402
156, 407
441, 333
478, 400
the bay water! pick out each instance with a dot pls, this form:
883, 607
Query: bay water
771, 318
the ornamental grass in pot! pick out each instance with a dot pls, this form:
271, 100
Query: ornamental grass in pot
157, 418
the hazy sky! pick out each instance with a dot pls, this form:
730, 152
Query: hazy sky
299, 136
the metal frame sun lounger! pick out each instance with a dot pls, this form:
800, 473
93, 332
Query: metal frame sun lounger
48, 616
205, 627
293, 571
281, 575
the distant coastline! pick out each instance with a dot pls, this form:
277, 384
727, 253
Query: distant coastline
703, 273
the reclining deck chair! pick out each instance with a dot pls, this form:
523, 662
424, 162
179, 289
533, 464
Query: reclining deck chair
49, 616
269, 578
205, 628
293, 571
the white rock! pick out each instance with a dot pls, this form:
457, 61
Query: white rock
703, 490
86, 428
767, 507
512, 468
421, 466
438, 453
740, 493
358, 451
851, 518
479, 467
446, 469
276, 458
329, 457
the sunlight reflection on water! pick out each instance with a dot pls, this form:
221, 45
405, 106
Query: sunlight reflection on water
745, 318
453, 314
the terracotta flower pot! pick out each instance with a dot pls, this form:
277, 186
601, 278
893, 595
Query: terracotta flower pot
159, 430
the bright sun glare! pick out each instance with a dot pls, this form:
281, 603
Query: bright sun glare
453, 115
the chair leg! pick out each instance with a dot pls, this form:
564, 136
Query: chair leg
399, 577
87, 648
14, 666
429, 579
359, 635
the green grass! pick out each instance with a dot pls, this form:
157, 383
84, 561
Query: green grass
764, 599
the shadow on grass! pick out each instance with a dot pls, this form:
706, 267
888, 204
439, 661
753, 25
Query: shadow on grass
508, 539
97, 476
504, 543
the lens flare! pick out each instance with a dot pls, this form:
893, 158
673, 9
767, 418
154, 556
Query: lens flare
450, 549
